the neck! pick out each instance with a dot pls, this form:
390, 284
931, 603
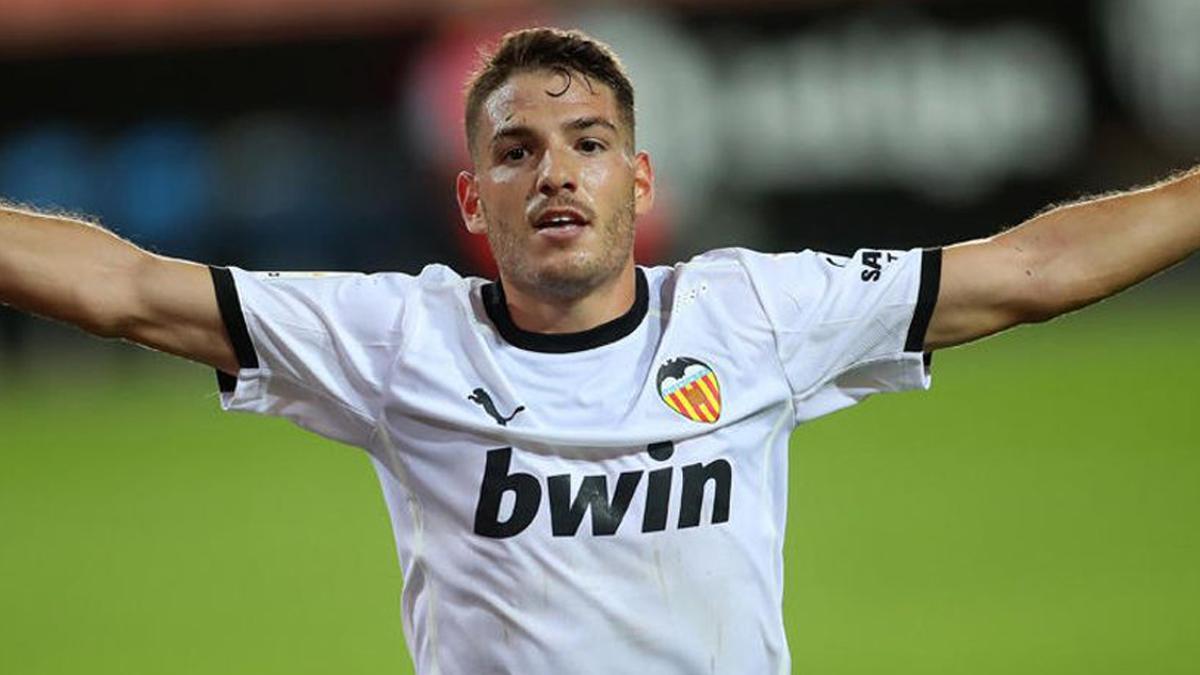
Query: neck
542, 313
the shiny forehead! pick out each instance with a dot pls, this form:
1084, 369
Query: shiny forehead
566, 95
536, 88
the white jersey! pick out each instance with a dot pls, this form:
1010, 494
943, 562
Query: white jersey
611, 501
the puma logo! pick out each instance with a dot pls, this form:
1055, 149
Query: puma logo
482, 399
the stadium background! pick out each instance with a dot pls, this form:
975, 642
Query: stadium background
1035, 513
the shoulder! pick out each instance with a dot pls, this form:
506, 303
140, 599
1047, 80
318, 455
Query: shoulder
747, 268
438, 276
431, 276
379, 288
367, 303
737, 283
743, 260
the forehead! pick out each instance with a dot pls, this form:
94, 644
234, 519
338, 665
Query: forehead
548, 95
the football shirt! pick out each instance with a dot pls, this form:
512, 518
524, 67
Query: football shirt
611, 501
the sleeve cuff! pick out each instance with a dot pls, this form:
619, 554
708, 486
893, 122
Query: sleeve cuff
230, 306
931, 278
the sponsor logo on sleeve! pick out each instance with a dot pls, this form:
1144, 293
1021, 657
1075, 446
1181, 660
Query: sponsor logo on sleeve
874, 261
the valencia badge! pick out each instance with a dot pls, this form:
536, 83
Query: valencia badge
691, 388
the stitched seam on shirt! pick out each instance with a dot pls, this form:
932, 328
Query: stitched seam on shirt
888, 331
774, 330
400, 325
888, 358
416, 514
361, 414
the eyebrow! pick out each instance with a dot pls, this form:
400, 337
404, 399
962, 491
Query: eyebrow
577, 124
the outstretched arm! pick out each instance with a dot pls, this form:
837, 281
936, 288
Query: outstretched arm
79, 273
1064, 259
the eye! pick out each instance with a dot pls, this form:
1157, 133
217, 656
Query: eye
515, 154
590, 146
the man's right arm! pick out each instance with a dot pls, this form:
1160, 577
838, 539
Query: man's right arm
80, 273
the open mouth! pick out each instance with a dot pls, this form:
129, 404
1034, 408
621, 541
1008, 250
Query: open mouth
560, 219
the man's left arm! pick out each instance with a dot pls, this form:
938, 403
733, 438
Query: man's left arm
1064, 259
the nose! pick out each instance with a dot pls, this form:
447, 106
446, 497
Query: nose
556, 173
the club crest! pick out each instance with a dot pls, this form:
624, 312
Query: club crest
690, 388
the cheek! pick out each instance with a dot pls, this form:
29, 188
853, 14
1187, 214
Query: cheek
606, 181
503, 190
614, 182
594, 175
504, 175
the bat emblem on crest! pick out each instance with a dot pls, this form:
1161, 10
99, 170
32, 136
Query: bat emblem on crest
691, 388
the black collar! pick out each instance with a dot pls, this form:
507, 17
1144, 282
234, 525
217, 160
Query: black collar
496, 307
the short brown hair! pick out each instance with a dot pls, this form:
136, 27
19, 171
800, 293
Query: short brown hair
547, 49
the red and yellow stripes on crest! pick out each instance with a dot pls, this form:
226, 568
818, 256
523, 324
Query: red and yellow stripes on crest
699, 400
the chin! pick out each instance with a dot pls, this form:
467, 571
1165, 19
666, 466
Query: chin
566, 286
573, 278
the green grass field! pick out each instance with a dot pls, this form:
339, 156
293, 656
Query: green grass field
1037, 512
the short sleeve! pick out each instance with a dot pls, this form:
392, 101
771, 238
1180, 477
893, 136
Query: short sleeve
312, 348
846, 328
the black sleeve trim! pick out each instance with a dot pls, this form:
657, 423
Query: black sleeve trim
931, 279
226, 383
235, 324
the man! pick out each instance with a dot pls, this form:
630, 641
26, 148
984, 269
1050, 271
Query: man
585, 463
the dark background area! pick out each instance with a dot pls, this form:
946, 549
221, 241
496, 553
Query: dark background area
328, 139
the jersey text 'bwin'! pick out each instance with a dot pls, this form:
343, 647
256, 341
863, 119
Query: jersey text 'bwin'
567, 511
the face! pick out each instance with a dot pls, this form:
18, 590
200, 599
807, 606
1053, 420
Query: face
557, 187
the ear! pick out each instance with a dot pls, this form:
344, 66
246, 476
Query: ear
643, 183
467, 189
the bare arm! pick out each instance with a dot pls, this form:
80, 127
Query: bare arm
79, 273
1064, 259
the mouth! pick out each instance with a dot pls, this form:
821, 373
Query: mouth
560, 220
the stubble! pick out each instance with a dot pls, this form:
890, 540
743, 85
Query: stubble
565, 277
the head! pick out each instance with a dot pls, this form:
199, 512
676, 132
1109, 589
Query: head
557, 183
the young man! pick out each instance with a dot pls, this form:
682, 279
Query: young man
585, 463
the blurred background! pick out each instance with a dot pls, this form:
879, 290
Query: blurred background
1047, 525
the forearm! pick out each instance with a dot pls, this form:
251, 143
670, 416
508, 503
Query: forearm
1084, 252
1064, 259
66, 269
